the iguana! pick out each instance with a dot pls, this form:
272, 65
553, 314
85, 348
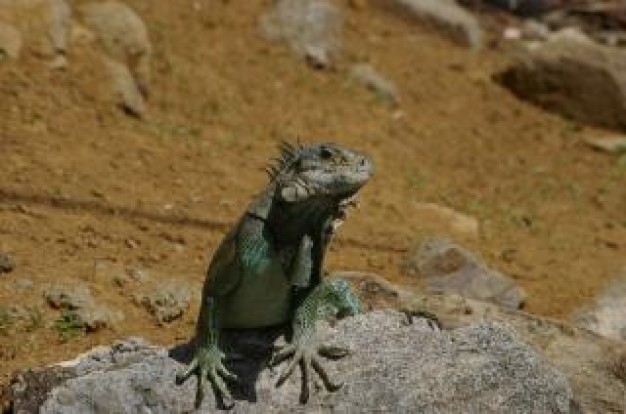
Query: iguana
268, 269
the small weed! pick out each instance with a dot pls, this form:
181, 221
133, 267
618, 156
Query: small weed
35, 320
69, 326
6, 321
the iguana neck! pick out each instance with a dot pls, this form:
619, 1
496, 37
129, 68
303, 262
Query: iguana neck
289, 222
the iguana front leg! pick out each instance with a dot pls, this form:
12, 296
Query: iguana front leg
329, 298
208, 361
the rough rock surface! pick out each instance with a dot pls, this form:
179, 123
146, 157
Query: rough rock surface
607, 316
595, 366
124, 38
312, 28
395, 366
572, 75
447, 268
444, 15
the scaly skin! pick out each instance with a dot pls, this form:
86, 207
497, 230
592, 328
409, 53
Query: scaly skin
268, 269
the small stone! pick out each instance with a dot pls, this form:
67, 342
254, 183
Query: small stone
10, 41
166, 301
612, 145
440, 218
374, 81
6, 263
68, 296
24, 284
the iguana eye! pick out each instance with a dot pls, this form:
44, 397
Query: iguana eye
325, 153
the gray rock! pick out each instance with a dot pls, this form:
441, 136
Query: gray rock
125, 40
68, 295
166, 301
394, 367
445, 15
574, 76
607, 315
6, 263
447, 268
77, 298
312, 28
10, 41
374, 81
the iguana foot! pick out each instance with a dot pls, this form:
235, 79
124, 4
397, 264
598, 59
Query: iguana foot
209, 362
307, 357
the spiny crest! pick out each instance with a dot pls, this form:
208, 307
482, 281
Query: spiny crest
288, 154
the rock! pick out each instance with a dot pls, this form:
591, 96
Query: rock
312, 28
593, 365
527, 7
441, 218
572, 75
393, 367
10, 41
607, 315
613, 145
23, 284
6, 263
125, 40
374, 81
68, 295
447, 268
77, 298
445, 15
166, 301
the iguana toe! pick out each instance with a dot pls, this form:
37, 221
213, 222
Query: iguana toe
307, 357
208, 364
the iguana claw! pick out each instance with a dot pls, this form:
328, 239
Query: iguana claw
307, 357
208, 362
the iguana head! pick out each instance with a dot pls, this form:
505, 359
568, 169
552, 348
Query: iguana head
321, 171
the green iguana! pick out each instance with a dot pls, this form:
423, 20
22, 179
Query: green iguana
268, 269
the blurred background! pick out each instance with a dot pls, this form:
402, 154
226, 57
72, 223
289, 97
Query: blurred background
133, 134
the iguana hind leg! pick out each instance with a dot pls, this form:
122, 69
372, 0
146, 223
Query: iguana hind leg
331, 298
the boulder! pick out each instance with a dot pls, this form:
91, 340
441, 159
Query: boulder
595, 366
312, 28
446, 268
574, 76
393, 366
